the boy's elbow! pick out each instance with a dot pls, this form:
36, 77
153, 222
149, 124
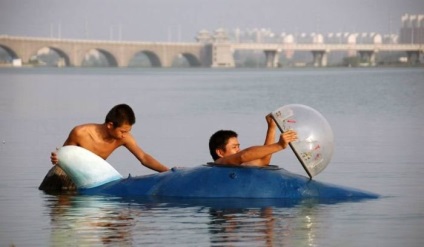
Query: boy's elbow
243, 158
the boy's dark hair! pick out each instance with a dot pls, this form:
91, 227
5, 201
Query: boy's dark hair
219, 140
120, 114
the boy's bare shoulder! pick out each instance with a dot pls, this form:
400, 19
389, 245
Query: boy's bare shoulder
84, 128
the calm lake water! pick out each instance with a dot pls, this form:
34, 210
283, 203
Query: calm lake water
377, 116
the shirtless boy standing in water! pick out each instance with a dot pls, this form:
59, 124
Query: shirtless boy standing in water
103, 139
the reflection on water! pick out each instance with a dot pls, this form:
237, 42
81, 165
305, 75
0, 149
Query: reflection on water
80, 221
94, 220
231, 226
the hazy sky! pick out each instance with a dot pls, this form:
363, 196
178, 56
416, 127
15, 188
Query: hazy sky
180, 20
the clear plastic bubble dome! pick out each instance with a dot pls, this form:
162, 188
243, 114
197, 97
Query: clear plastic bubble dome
315, 144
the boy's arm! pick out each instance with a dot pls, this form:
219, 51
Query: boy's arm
257, 152
71, 140
145, 159
249, 154
269, 139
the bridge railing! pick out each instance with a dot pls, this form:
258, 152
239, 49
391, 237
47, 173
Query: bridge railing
329, 47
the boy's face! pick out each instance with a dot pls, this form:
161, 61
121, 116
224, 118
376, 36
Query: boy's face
232, 147
119, 132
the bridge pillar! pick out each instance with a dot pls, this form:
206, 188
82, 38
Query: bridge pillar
320, 58
122, 59
76, 57
222, 56
271, 58
368, 56
413, 57
373, 59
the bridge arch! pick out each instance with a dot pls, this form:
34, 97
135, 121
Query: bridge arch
109, 57
192, 60
141, 57
11, 53
153, 58
62, 58
98, 53
62, 55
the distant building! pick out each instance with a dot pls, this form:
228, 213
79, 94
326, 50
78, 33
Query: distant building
412, 29
204, 36
411, 32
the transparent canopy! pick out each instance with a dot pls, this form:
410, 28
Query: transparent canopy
314, 147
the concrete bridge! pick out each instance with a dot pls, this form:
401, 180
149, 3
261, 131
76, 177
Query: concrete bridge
217, 54
320, 52
118, 54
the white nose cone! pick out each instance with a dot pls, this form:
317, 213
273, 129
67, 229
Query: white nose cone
86, 169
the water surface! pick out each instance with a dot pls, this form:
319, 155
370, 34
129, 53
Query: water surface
376, 115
